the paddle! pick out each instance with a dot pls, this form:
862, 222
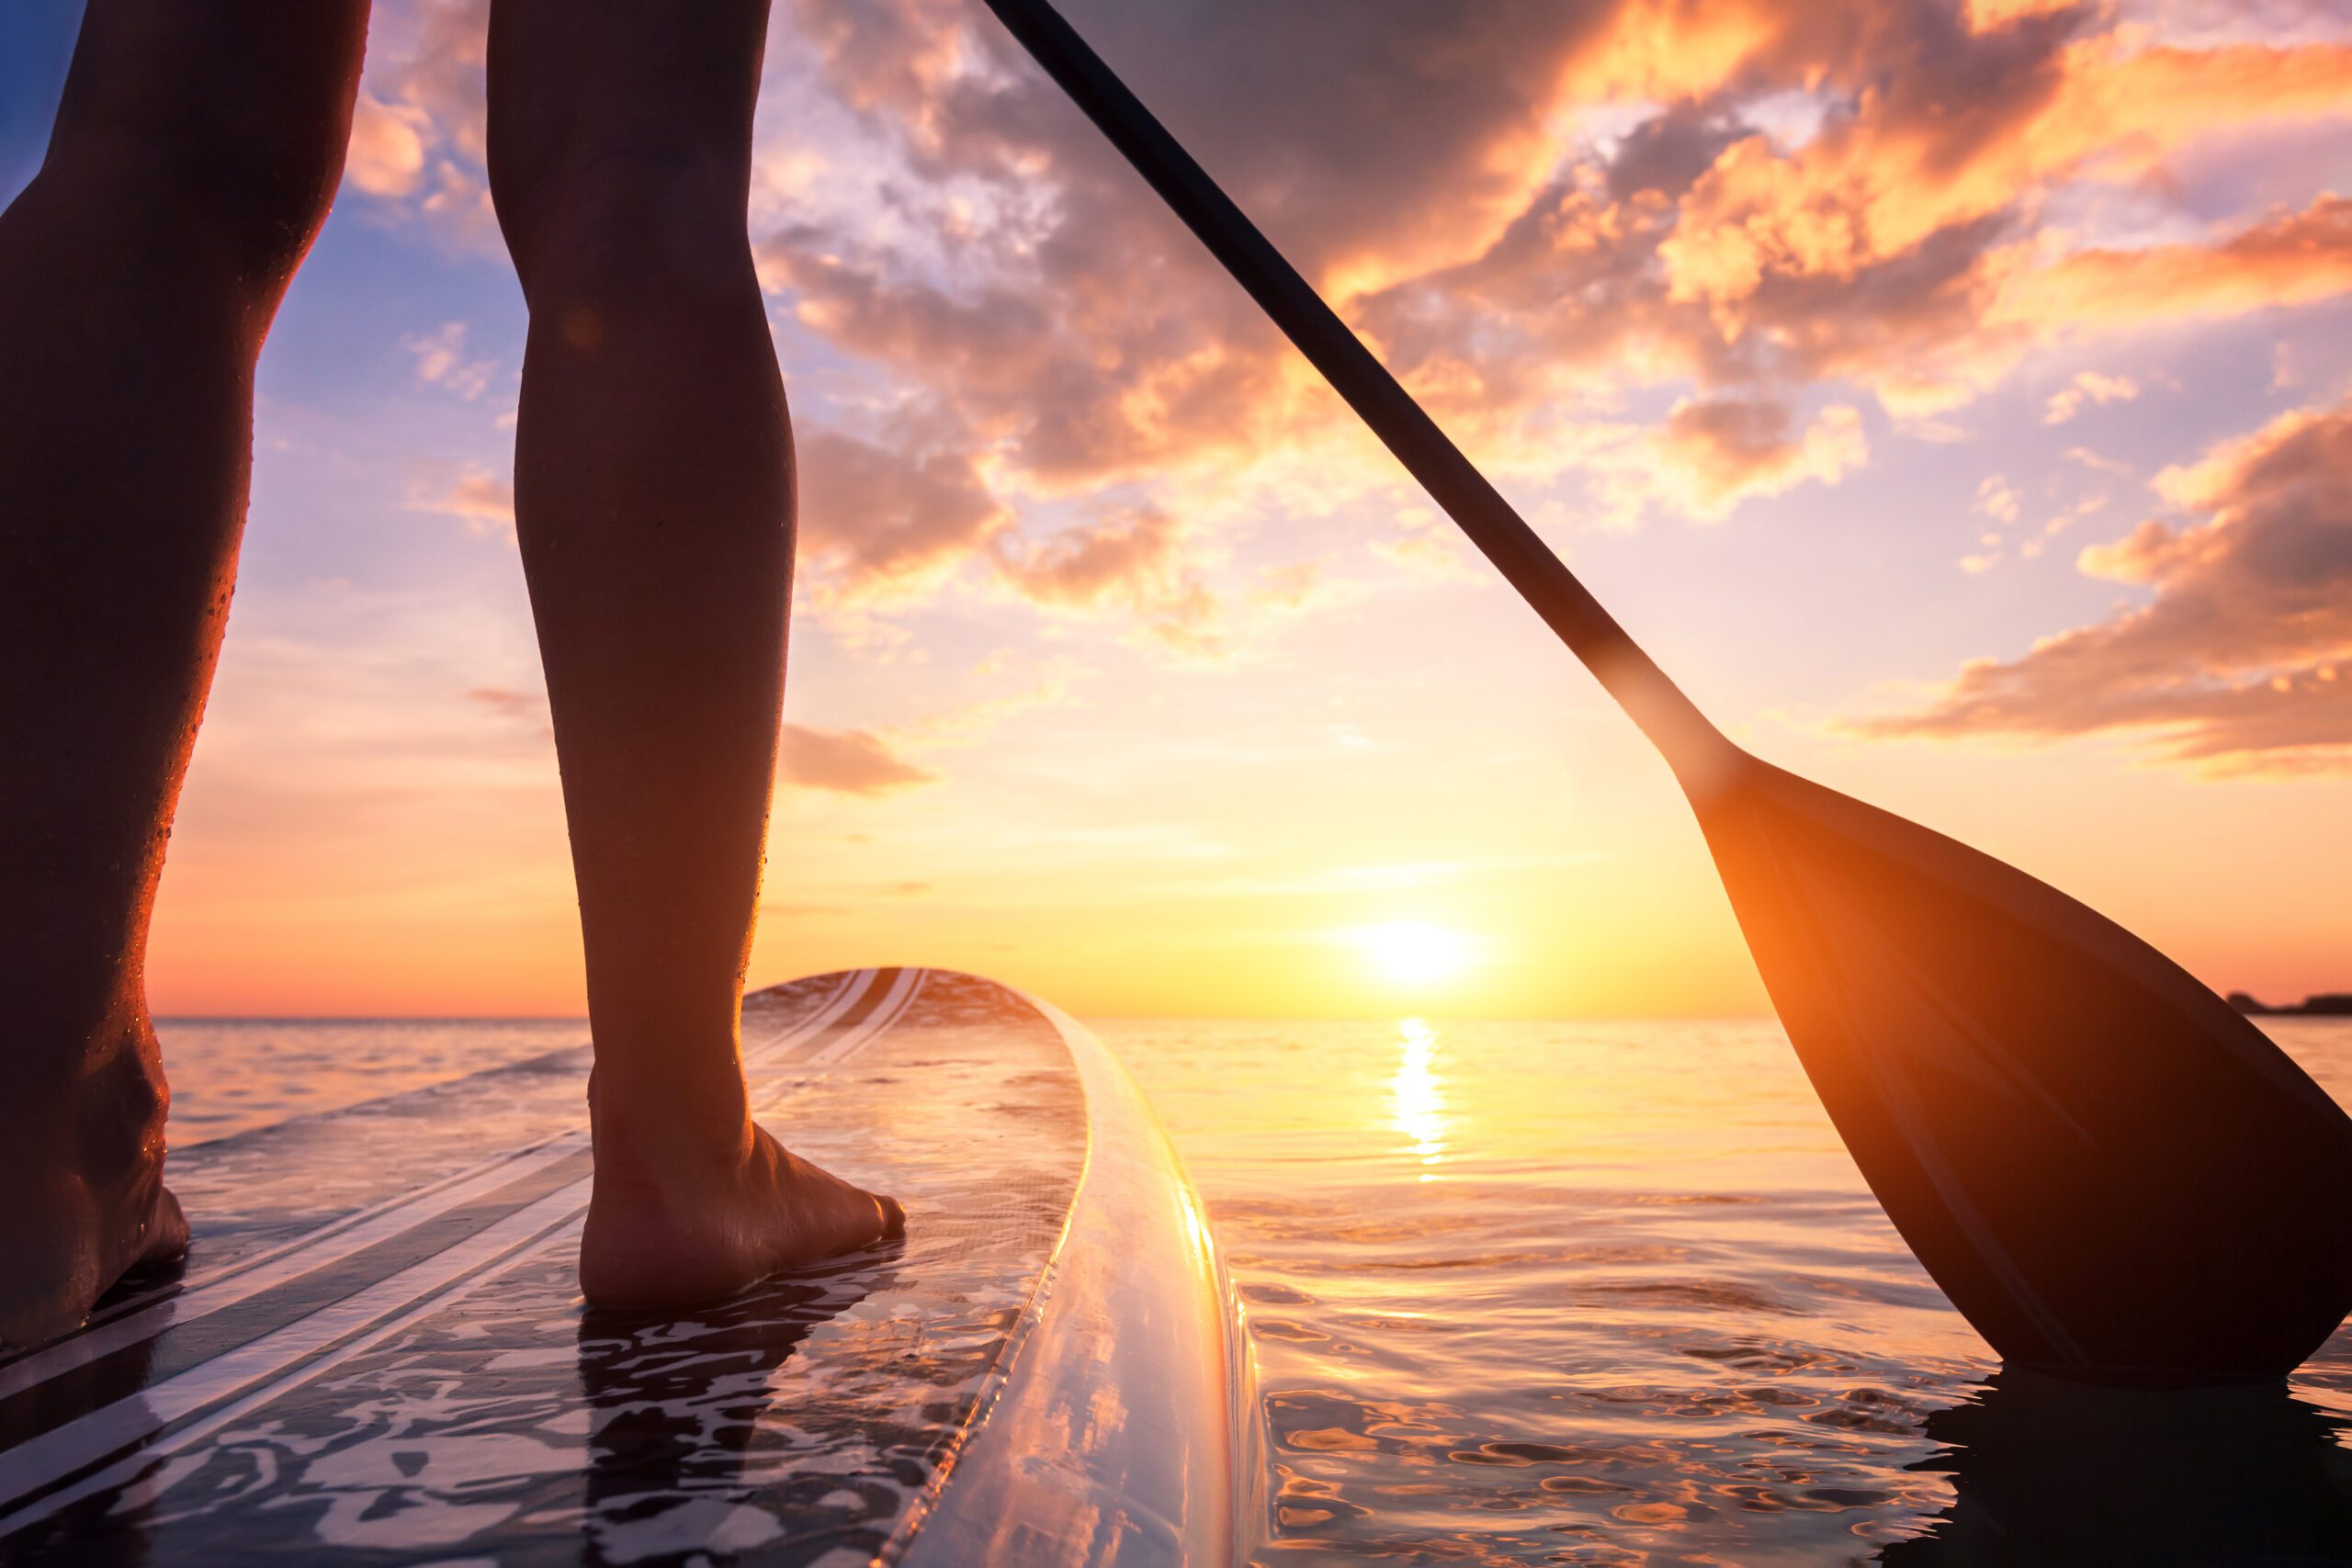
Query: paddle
2110, 1173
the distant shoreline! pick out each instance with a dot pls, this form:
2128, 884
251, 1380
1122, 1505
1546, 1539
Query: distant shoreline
2327, 1004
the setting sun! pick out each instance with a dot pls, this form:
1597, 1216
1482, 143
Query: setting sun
1414, 952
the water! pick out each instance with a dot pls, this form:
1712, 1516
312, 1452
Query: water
1613, 1292
232, 1074
1582, 1293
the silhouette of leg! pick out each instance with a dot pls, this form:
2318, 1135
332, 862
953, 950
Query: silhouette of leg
195, 154
653, 496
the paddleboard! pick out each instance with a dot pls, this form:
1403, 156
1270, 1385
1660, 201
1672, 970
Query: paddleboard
376, 1352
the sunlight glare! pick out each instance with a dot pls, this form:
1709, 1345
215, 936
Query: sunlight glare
1413, 952
1417, 1102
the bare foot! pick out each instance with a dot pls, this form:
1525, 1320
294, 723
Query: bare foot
82, 1163
683, 1214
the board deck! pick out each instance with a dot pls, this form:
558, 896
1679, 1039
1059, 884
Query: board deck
377, 1353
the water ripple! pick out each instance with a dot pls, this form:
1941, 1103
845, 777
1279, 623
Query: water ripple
1644, 1312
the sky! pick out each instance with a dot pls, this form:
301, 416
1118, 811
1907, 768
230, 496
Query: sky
1955, 396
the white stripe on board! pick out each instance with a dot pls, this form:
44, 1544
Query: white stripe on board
861, 982
87, 1438
197, 1278
534, 1240
902, 994
345, 1235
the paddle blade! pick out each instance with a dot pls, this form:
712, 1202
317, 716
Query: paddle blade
2111, 1174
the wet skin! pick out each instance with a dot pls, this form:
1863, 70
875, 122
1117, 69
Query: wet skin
196, 153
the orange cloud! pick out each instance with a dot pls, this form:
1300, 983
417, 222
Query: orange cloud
846, 761
1085, 565
1963, 136
474, 495
2290, 258
1716, 454
2242, 660
1133, 562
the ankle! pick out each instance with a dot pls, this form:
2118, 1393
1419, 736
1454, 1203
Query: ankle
62, 1045
654, 1123
99, 1128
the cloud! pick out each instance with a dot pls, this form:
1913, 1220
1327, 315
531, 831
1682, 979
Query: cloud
1891, 243
879, 519
1429, 545
1716, 454
2289, 258
483, 501
2092, 387
1708, 455
1290, 587
441, 361
2093, 460
1083, 375
844, 761
1417, 131
1086, 566
1130, 562
1960, 128
386, 157
1939, 139
508, 702
420, 130
1995, 499
2242, 659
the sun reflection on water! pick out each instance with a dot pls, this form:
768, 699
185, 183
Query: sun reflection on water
1416, 1096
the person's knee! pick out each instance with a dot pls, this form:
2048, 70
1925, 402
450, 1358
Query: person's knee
607, 228
153, 128
261, 199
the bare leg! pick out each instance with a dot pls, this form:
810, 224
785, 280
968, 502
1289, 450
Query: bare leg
195, 155
653, 492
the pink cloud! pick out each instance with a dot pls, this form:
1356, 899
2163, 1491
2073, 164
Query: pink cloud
2241, 660
877, 517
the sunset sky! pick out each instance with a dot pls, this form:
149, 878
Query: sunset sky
1956, 397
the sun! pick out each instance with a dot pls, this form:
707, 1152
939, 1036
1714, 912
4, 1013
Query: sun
1413, 954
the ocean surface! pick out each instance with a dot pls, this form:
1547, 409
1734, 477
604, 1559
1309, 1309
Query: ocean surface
1578, 1293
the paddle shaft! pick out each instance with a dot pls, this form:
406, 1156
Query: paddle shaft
1664, 715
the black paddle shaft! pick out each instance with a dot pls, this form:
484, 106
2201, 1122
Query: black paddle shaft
1566, 605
